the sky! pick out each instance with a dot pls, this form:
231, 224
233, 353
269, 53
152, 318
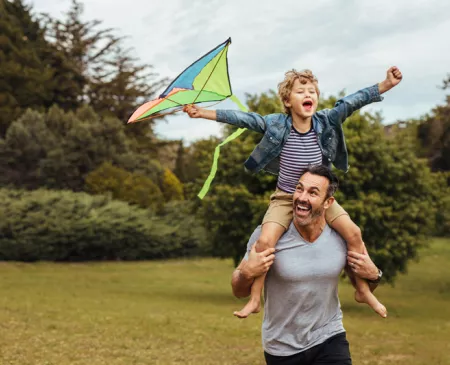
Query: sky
348, 44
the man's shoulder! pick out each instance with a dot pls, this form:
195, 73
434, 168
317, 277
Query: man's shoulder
335, 236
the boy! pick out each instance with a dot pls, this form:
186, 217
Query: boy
291, 142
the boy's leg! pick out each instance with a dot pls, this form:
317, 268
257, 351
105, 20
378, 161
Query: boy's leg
340, 221
270, 234
276, 221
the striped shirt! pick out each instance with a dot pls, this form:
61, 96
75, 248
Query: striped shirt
300, 150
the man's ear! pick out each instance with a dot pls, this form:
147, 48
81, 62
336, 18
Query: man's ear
328, 202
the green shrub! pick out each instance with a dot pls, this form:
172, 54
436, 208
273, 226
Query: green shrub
66, 226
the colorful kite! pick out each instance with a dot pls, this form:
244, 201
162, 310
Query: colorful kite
206, 80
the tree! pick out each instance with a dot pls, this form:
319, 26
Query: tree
434, 135
112, 82
24, 78
231, 214
126, 186
59, 149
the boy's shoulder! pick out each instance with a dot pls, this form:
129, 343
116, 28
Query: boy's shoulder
276, 117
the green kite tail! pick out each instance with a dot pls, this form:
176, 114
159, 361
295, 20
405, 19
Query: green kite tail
213, 171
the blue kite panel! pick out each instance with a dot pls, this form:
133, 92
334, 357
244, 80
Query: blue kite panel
186, 78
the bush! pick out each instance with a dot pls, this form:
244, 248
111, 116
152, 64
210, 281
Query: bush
125, 186
67, 226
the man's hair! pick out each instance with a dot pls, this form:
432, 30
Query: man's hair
285, 86
326, 172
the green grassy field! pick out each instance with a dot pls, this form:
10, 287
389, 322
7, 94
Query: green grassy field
180, 312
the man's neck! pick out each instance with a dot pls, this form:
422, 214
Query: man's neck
312, 231
302, 125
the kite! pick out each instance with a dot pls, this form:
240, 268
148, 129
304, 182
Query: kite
205, 80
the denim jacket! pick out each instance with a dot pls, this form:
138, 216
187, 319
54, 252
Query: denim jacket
327, 124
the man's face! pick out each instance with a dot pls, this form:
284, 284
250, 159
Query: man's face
309, 201
303, 99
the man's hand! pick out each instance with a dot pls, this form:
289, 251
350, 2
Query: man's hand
192, 111
258, 263
393, 78
362, 265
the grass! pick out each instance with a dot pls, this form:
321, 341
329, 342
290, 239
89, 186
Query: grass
180, 312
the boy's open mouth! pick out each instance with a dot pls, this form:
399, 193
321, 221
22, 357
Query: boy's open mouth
307, 104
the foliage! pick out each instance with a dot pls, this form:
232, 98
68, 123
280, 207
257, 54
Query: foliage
25, 77
113, 82
231, 214
171, 187
434, 135
58, 149
67, 226
125, 186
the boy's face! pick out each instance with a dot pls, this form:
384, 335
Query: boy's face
303, 99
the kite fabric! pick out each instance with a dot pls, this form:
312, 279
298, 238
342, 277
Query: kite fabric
206, 80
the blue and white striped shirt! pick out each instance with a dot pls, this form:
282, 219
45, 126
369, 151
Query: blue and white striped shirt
300, 150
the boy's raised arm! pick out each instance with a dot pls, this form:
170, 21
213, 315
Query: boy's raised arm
349, 104
393, 78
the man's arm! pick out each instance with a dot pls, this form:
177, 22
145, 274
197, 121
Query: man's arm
255, 265
363, 266
349, 104
252, 121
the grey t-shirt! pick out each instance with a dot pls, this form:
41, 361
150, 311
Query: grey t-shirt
302, 307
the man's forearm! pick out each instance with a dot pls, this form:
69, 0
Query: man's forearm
241, 283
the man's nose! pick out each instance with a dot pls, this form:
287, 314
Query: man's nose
303, 197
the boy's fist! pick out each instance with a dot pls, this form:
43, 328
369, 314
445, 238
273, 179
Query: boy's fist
394, 76
192, 111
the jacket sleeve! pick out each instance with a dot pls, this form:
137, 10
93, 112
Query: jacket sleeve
351, 103
252, 121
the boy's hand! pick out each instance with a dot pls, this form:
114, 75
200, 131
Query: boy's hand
393, 78
192, 111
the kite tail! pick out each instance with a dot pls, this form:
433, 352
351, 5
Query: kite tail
213, 171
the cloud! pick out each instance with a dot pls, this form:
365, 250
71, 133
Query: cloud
348, 44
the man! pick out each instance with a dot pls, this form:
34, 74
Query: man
303, 320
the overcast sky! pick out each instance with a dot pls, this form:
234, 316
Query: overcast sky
349, 44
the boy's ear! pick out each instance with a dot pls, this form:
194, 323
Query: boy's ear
287, 103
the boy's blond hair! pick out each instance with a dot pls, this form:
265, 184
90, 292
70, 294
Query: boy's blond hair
285, 87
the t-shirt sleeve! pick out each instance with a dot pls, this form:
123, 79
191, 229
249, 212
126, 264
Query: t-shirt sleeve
255, 235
